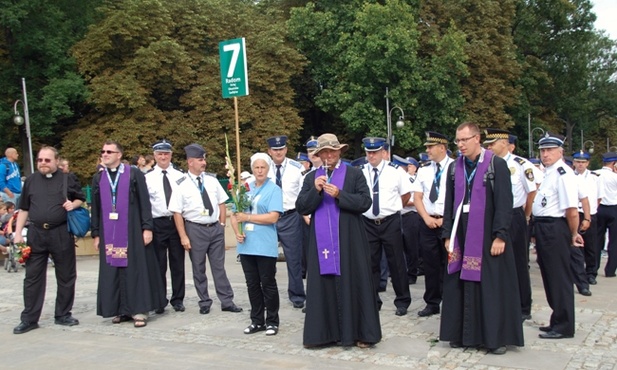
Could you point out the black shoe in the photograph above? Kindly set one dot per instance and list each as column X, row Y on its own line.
column 554, row 335
column 526, row 317
column 304, row 310
column 592, row 280
column 428, row 311
column 232, row 308
column 204, row 310
column 498, row 351
column 67, row 320
column 251, row 329
column 412, row 280
column 159, row 311
column 25, row 327
column 586, row 292
column 609, row 275
column 456, row 344
column 179, row 307
column 401, row 311
column 545, row 329
column 298, row 304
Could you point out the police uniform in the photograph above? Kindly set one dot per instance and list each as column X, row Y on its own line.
column 432, row 248
column 388, row 184
column 289, row 225
column 165, row 238
column 557, row 193
column 522, row 178
column 607, row 213
column 205, row 232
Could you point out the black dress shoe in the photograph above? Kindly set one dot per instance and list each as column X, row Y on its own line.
column 592, row 280
column 232, row 308
column 554, row 335
column 204, row 310
column 412, row 280
column 499, row 351
column 159, row 311
column 456, row 344
column 428, row 311
column 545, row 329
column 586, row 292
column 298, row 304
column 401, row 311
column 179, row 307
column 67, row 321
column 526, row 317
column 25, row 327
column 609, row 275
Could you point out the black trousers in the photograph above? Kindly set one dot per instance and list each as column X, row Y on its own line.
column 58, row 243
column 591, row 251
column 387, row 236
column 166, row 241
column 411, row 221
column 553, row 241
column 435, row 257
column 260, row 272
column 607, row 220
column 520, row 247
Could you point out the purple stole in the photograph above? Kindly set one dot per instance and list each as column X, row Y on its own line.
column 116, row 232
column 326, row 220
column 470, row 264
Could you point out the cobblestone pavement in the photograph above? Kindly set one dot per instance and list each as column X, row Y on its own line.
column 189, row 340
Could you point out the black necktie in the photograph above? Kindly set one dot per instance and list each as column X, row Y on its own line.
column 278, row 176
column 204, row 197
column 166, row 188
column 435, row 188
column 376, row 193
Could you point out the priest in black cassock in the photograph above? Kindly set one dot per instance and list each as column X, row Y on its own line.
column 341, row 303
column 130, row 284
column 481, row 305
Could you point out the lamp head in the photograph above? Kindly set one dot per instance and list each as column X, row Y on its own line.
column 591, row 150
column 400, row 123
column 18, row 120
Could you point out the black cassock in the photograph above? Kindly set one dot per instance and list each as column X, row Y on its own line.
column 486, row 313
column 341, row 309
column 136, row 288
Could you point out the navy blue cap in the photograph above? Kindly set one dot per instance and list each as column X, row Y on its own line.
column 413, row 161
column 195, row 151
column 609, row 157
column 311, row 143
column 277, row 142
column 534, row 161
column 372, row 144
column 493, row 134
column 386, row 146
column 551, row 140
column 423, row 157
column 512, row 139
column 359, row 162
column 400, row 160
column 434, row 138
column 162, row 146
column 581, row 156
column 568, row 160
column 302, row 157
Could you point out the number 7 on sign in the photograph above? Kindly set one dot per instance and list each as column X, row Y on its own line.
column 235, row 49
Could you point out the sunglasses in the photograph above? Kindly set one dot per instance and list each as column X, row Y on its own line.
column 46, row 160
column 108, row 152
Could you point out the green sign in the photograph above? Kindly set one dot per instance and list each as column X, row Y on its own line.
column 234, row 75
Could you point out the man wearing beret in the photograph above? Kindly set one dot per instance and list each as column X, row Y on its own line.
column 199, row 214
column 163, row 180
column 607, row 212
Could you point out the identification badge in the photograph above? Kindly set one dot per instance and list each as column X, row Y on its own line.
column 249, row 227
column 205, row 212
column 113, row 215
column 465, row 208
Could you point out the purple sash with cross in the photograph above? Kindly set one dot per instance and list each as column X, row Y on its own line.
column 326, row 220
column 470, row 263
column 116, row 232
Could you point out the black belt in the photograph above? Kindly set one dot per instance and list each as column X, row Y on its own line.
column 47, row 225
column 205, row 225
column 165, row 218
column 288, row 212
column 436, row 216
column 547, row 220
column 379, row 221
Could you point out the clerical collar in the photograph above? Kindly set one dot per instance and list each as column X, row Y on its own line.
column 49, row 175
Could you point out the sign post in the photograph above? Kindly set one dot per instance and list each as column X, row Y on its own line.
column 234, row 79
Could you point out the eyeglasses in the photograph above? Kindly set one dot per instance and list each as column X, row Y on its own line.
column 41, row 160
column 108, row 152
column 464, row 140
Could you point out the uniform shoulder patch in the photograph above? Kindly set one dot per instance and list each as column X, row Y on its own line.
column 561, row 170
column 295, row 164
column 393, row 164
column 412, row 179
column 519, row 160
column 179, row 181
column 529, row 174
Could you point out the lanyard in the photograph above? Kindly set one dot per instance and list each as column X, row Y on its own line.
column 114, row 185
column 200, row 188
column 369, row 170
column 437, row 178
column 469, row 179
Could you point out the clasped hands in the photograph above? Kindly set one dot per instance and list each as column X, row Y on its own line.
column 321, row 184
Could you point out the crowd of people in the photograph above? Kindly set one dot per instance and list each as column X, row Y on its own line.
column 465, row 222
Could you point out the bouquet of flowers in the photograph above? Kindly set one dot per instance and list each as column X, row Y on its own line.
column 23, row 252
column 239, row 196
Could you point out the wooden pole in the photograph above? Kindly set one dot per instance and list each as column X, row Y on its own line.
column 238, row 169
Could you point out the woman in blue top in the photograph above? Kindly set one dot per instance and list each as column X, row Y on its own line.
column 258, row 246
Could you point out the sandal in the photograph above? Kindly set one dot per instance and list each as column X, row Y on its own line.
column 120, row 318
column 253, row 328
column 140, row 323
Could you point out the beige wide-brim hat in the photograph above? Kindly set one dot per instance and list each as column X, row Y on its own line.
column 329, row 141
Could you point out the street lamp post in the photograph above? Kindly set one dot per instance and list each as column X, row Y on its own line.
column 399, row 123
column 591, row 147
column 531, row 139
column 19, row 120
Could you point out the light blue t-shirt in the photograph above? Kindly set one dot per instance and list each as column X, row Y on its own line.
column 261, row 240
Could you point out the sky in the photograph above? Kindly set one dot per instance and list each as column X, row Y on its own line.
column 606, row 11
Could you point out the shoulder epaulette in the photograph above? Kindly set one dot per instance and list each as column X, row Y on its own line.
column 179, row 181
column 561, row 170
column 362, row 166
column 150, row 170
column 519, row 160
column 177, row 168
column 295, row 164
column 412, row 179
column 210, row 174
column 424, row 164
column 594, row 173
column 393, row 164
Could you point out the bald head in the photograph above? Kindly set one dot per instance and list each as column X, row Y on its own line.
column 11, row 154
